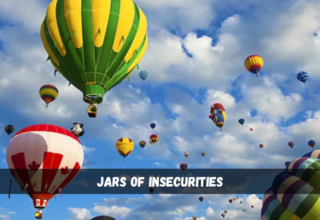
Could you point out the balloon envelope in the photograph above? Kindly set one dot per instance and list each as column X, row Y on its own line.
column 241, row 121
column 9, row 129
column 253, row 64
column 48, row 93
column 47, row 151
column 143, row 74
column 302, row 180
column 95, row 45
column 124, row 146
column 302, row 76
column 103, row 218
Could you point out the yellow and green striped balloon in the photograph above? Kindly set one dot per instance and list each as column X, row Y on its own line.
column 94, row 44
column 295, row 193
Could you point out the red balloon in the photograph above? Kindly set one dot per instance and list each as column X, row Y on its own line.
column 44, row 159
column 251, row 129
column 230, row 200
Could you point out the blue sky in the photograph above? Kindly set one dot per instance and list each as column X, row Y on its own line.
column 194, row 59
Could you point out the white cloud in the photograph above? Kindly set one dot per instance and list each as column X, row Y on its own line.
column 80, row 213
column 87, row 149
column 112, row 211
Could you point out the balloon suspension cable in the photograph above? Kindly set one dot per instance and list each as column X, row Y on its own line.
column 10, row 189
column 124, row 160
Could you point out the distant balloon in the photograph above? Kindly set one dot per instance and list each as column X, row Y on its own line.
column 225, row 211
column 143, row 74
column 302, row 76
column 254, row 64
column 48, row 93
column 252, row 206
column 9, row 129
column 241, row 121
column 230, row 200
column 194, row 217
column 237, row 198
column 151, row 189
column 218, row 115
column 234, row 199
column 201, row 198
column 261, row 146
column 152, row 125
column 103, row 218
column 183, row 166
column 203, row 154
column 186, row 154
column 142, row 144
column 312, row 143
column 124, row 147
column 223, row 215
column 153, row 139
column 240, row 202
column 291, row 144
column 251, row 129
column 244, row 210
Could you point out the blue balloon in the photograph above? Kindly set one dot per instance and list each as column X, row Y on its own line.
column 152, row 125
column 143, row 74
column 241, row 121
column 311, row 143
column 302, row 76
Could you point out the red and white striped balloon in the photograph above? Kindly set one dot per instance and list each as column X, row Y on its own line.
column 43, row 159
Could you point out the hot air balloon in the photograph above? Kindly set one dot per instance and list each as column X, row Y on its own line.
column 244, row 210
column 203, row 154
column 186, row 154
column 225, row 211
column 201, row 198
column 302, row 76
column 241, row 121
column 291, row 144
column 237, row 198
column 287, row 163
column 234, row 199
column 142, row 144
column 103, row 218
column 151, row 189
column 261, row 146
column 95, row 45
column 301, row 181
column 240, row 202
column 312, row 143
column 143, row 75
column 223, row 215
column 218, row 115
column 251, row 129
column 47, row 150
column 153, row 139
column 152, row 125
column 9, row 129
column 254, row 64
column 252, row 206
column 124, row 147
column 183, row 166
column 48, row 93
column 230, row 200
column 194, row 217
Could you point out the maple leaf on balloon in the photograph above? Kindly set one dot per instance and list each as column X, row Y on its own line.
column 34, row 165
column 65, row 170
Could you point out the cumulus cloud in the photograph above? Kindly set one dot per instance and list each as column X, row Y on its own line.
column 80, row 213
